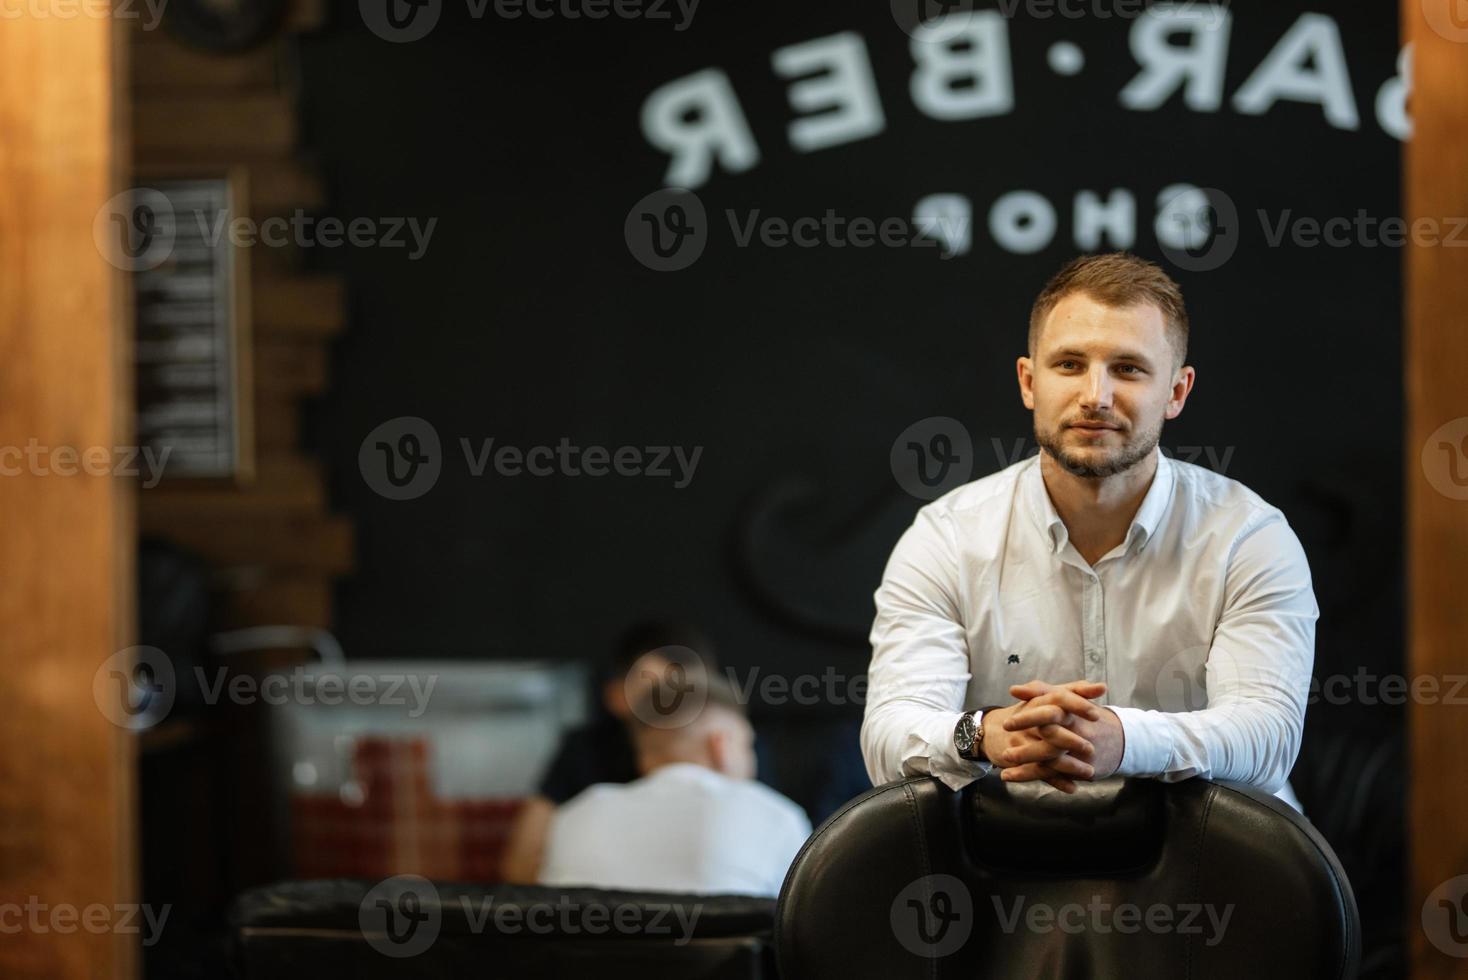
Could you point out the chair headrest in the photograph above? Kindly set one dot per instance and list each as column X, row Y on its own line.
column 1105, row 828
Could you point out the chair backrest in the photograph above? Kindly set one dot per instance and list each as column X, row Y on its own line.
column 410, row 927
column 1129, row 877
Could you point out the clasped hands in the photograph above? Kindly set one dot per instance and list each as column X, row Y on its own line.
column 1055, row 733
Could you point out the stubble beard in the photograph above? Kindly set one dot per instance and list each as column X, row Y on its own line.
column 1087, row 466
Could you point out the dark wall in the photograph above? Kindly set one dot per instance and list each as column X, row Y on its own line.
column 528, row 319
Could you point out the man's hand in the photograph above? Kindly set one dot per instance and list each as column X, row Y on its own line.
column 1060, row 716
column 1042, row 746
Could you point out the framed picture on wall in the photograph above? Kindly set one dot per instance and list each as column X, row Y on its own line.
column 192, row 329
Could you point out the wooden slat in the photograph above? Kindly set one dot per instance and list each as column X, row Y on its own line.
column 277, row 426
column 296, row 600
column 1436, row 363
column 299, row 307
column 324, row 544
column 66, row 772
column 305, row 15
column 249, row 125
column 282, row 187
column 289, row 368
column 163, row 65
column 278, row 185
column 283, row 487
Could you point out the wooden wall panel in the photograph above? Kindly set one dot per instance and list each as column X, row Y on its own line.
column 66, row 552
column 1436, row 466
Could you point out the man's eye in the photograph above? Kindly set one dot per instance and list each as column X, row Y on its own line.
column 1129, row 367
column 1065, row 365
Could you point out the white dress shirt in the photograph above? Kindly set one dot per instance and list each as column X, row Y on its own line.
column 681, row 828
column 1201, row 624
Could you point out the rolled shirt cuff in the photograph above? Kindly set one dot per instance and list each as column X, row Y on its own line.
column 1147, row 747
column 941, row 754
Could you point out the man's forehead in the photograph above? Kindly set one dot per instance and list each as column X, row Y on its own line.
column 1079, row 321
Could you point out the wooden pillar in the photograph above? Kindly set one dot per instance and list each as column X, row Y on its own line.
column 1436, row 466
column 66, row 536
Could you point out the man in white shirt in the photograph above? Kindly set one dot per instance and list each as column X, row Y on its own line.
column 1098, row 608
column 696, row 821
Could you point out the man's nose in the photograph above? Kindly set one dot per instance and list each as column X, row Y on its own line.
column 1096, row 396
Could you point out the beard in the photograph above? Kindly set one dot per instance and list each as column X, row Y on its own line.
column 1096, row 462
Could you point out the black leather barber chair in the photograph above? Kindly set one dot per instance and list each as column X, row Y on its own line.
column 1126, row 878
column 410, row 928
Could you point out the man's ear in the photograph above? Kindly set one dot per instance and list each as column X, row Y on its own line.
column 717, row 744
column 1182, row 384
column 1024, row 370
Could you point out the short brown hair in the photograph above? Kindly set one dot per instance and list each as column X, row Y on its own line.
column 1116, row 279
column 698, row 690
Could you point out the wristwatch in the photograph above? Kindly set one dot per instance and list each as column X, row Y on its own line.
column 968, row 736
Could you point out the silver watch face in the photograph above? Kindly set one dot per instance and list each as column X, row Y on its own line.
column 963, row 736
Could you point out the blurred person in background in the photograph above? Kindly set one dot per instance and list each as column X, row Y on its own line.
column 695, row 821
column 601, row 750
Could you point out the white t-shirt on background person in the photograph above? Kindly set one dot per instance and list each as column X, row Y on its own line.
column 681, row 828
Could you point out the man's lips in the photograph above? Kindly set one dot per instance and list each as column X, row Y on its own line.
column 1092, row 430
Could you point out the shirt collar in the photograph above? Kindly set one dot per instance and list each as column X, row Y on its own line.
column 1144, row 523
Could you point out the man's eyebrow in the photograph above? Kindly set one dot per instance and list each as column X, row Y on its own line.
column 1121, row 355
